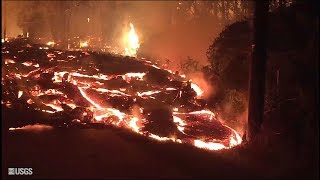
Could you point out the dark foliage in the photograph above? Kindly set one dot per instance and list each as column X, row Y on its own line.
column 291, row 83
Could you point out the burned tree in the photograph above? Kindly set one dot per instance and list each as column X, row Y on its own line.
column 257, row 70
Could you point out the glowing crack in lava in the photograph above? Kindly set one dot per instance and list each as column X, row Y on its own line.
column 73, row 94
column 131, row 42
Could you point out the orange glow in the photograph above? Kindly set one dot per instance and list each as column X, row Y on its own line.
column 180, row 123
column 9, row 61
column 20, row 94
column 84, row 44
column 36, row 127
column 164, row 138
column 131, row 42
column 50, row 43
column 197, row 89
column 209, row 145
column 93, row 88
column 91, row 101
column 133, row 124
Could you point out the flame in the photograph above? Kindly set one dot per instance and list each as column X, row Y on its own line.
column 132, row 42
column 50, row 43
column 84, row 44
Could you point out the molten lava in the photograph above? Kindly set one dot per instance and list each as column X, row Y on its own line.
column 88, row 93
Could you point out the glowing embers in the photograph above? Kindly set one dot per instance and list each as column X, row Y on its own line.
column 29, row 63
column 58, row 76
column 180, row 123
column 148, row 93
column 234, row 140
column 8, row 104
column 9, row 61
column 111, row 92
column 51, row 55
column 110, row 116
column 133, row 124
column 128, row 76
column 55, row 106
column 36, row 91
column 202, row 126
column 164, row 138
column 89, row 99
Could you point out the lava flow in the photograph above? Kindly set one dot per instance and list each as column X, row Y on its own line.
column 81, row 89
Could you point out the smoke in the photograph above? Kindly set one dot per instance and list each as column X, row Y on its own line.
column 163, row 32
column 234, row 113
column 166, row 36
column 10, row 12
column 200, row 80
column 242, row 120
column 178, row 42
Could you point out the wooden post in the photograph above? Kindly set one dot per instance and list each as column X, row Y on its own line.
column 257, row 69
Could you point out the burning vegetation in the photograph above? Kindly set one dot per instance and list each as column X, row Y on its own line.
column 82, row 89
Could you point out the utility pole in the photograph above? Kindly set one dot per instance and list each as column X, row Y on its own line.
column 258, row 69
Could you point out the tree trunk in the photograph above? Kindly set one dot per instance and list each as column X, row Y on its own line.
column 281, row 3
column 4, row 19
column 257, row 70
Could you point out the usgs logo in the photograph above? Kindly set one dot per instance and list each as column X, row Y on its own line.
column 19, row 171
